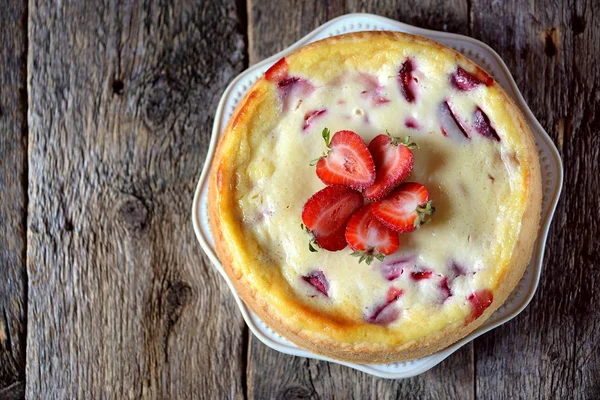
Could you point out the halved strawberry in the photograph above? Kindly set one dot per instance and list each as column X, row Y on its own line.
column 393, row 164
column 405, row 209
column 464, row 80
column 348, row 161
column 326, row 214
column 368, row 237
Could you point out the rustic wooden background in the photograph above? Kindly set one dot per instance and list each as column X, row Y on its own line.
column 105, row 115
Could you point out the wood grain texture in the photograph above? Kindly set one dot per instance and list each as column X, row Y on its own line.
column 550, row 48
column 273, row 375
column 13, row 190
column 115, row 101
column 551, row 350
column 16, row 391
column 122, row 303
column 451, row 16
column 274, row 26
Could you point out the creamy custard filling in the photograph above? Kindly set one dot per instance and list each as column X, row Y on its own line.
column 469, row 179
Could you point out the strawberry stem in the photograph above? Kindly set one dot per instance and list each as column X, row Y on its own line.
column 423, row 211
column 409, row 144
column 406, row 142
column 326, row 136
column 312, row 240
column 368, row 256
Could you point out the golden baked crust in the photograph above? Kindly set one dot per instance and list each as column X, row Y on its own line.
column 260, row 281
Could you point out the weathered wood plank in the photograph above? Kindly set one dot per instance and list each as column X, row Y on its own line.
column 13, row 191
column 272, row 27
column 551, row 350
column 272, row 375
column 122, row 303
column 451, row 16
column 16, row 391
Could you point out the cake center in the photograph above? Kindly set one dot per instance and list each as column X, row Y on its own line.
column 458, row 159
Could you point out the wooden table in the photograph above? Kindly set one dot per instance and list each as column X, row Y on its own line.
column 105, row 116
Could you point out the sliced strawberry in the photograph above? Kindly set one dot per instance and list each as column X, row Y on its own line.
column 284, row 83
column 408, row 81
column 278, row 71
column 445, row 289
column 387, row 312
column 393, row 164
column 411, row 123
column 348, row 161
column 292, row 91
column 317, row 280
column 480, row 301
column 464, row 80
column 393, row 294
column 483, row 125
column 312, row 115
column 451, row 124
column 394, row 268
column 334, row 241
column 456, row 269
column 373, row 90
column 405, row 209
column 368, row 237
column 420, row 275
column 326, row 214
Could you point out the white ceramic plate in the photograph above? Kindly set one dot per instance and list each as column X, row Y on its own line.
column 552, row 175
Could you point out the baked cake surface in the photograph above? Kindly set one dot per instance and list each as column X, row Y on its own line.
column 476, row 157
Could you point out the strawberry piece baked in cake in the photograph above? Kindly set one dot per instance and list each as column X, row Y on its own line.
column 375, row 197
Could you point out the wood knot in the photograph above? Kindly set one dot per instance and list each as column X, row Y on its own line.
column 118, row 87
column 296, row 392
column 551, row 42
column 578, row 25
column 68, row 226
column 159, row 103
column 133, row 213
column 178, row 295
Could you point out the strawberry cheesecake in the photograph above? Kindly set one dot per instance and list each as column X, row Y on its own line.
column 375, row 197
